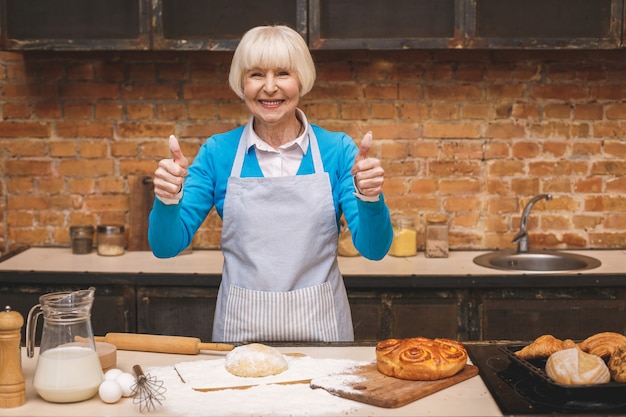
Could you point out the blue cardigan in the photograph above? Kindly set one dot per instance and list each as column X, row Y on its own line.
column 172, row 227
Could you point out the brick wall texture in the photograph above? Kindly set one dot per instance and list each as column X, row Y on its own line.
column 474, row 134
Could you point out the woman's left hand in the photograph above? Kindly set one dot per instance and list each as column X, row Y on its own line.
column 368, row 173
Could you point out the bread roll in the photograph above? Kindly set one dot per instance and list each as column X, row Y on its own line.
column 602, row 344
column 255, row 360
column 617, row 364
column 420, row 358
column 544, row 346
column 574, row 367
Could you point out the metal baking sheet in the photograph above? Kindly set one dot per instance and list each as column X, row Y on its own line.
column 611, row 392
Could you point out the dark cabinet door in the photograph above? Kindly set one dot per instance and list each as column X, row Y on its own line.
column 219, row 24
column 518, row 314
column 403, row 313
column 545, row 23
column 385, row 24
column 176, row 311
column 74, row 24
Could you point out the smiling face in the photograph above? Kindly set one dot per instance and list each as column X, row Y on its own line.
column 272, row 95
column 272, row 47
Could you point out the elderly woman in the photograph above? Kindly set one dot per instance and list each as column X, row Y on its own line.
column 280, row 185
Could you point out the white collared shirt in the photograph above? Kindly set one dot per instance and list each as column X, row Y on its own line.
column 284, row 161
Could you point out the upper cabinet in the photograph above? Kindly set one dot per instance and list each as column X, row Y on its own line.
column 219, row 24
column 74, row 24
column 325, row 24
column 386, row 24
column 590, row 24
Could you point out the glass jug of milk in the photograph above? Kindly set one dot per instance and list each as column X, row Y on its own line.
column 68, row 368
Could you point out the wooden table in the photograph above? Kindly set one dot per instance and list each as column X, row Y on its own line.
column 468, row 398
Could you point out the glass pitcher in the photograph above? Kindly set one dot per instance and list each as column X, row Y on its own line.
column 68, row 368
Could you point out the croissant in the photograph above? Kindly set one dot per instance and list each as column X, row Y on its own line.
column 420, row 358
column 602, row 344
column 617, row 364
column 544, row 346
column 574, row 367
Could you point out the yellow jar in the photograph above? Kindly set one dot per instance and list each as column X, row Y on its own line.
column 404, row 238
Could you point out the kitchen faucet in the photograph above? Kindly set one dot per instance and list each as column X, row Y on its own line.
column 522, row 237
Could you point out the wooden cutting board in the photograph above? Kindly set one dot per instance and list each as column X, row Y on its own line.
column 365, row 384
column 141, row 200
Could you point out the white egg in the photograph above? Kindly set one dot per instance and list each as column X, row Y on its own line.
column 127, row 382
column 111, row 374
column 110, row 391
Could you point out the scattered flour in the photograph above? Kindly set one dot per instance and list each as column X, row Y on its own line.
column 262, row 400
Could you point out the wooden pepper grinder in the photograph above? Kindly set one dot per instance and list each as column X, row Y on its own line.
column 12, row 386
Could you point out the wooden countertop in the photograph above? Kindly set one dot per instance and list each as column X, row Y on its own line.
column 210, row 262
column 468, row 398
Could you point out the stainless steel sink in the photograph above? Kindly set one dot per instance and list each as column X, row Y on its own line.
column 536, row 261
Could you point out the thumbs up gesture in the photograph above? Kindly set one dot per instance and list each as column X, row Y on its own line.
column 170, row 174
column 368, row 173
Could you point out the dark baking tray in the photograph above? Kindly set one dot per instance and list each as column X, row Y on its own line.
column 608, row 393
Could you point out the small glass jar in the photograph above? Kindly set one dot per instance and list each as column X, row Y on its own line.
column 111, row 240
column 436, row 236
column 404, row 237
column 82, row 239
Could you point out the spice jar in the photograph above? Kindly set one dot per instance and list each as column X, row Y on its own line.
column 111, row 240
column 436, row 236
column 82, row 239
column 404, row 241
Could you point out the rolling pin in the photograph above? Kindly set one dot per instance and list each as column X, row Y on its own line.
column 161, row 344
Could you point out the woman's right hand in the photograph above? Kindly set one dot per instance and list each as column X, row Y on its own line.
column 170, row 174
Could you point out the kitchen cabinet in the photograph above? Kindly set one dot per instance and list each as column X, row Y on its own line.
column 404, row 24
column 176, row 311
column 219, row 24
column 398, row 313
column 536, row 24
column 525, row 314
column 74, row 24
column 467, row 314
column 202, row 25
column 139, row 24
column 386, row 24
column 393, row 298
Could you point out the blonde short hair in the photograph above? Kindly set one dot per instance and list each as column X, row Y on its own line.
column 272, row 47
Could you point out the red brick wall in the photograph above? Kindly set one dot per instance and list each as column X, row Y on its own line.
column 474, row 134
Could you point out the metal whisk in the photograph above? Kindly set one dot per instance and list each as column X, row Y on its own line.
column 147, row 391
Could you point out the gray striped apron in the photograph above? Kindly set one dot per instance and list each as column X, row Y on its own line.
column 281, row 281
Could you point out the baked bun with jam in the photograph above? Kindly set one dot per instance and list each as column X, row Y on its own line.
column 420, row 358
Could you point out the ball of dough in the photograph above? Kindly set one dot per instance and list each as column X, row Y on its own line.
column 255, row 360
